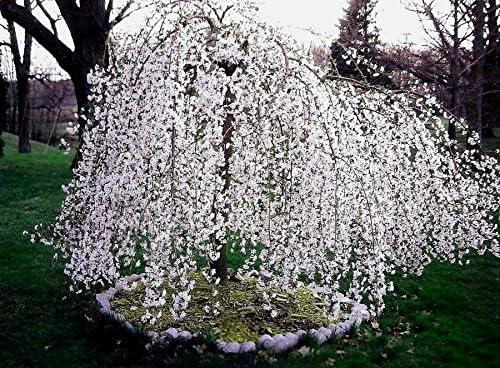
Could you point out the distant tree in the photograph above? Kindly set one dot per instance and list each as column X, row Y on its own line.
column 491, row 101
column 3, row 110
column 465, row 78
column 89, row 22
column 478, row 15
column 355, row 53
column 22, row 65
column 357, row 27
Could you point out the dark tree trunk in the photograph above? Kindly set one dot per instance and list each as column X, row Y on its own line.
column 220, row 265
column 89, row 53
column 24, row 145
column 22, row 66
column 478, row 54
column 3, row 110
column 491, row 101
column 455, row 71
column 90, row 35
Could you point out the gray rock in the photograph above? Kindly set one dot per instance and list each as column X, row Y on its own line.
column 279, row 338
column 269, row 344
column 264, row 338
column 110, row 293
column 103, row 301
column 231, row 348
column 119, row 286
column 292, row 339
column 332, row 327
column 247, row 347
column 339, row 331
column 281, row 346
column 221, row 344
column 320, row 337
column 348, row 325
column 152, row 335
column 171, row 334
column 301, row 334
column 105, row 311
column 325, row 331
column 323, row 335
column 280, row 343
column 312, row 332
column 134, row 277
column 185, row 336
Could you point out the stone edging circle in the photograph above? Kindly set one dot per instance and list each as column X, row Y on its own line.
column 278, row 343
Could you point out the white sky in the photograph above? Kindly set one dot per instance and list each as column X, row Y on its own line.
column 395, row 22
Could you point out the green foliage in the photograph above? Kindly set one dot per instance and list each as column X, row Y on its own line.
column 449, row 317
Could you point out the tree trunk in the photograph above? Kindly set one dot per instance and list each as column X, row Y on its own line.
column 22, row 67
column 82, row 90
column 491, row 101
column 90, row 50
column 24, row 145
column 3, row 110
column 478, row 54
column 220, row 265
column 455, row 71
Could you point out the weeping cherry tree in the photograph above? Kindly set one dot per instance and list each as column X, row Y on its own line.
column 216, row 135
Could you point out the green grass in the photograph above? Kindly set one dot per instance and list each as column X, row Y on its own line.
column 448, row 318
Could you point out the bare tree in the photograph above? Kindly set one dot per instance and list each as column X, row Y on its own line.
column 89, row 22
column 491, row 101
column 22, row 65
column 3, row 110
column 455, row 63
column 477, row 65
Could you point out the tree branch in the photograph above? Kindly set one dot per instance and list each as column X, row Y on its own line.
column 20, row 15
column 52, row 21
column 122, row 14
column 69, row 11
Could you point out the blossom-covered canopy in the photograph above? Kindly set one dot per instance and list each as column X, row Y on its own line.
column 215, row 133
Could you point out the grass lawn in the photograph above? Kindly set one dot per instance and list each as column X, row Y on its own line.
column 447, row 318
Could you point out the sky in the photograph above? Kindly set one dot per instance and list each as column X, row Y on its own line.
column 396, row 23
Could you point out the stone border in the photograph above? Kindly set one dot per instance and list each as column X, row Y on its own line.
column 278, row 343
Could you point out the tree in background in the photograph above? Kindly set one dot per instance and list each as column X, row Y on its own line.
column 89, row 22
column 462, row 63
column 3, row 110
column 491, row 95
column 22, row 65
column 355, row 52
column 357, row 27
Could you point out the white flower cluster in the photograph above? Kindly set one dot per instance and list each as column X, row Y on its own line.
column 217, row 128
